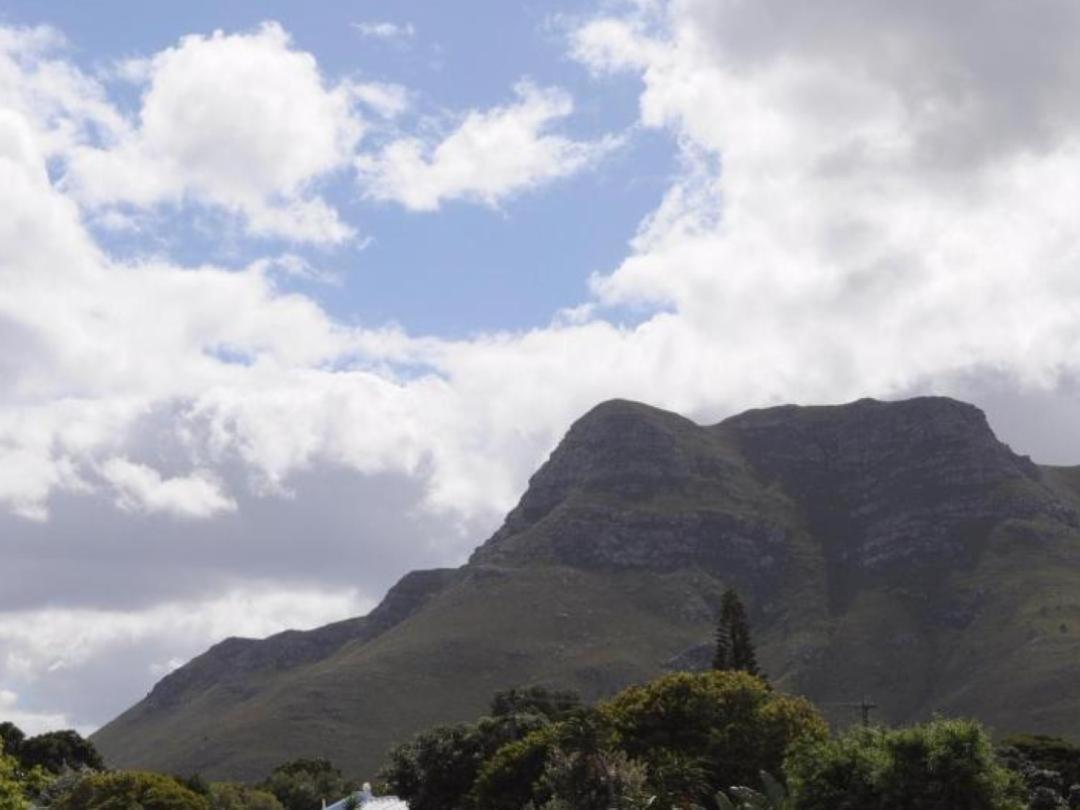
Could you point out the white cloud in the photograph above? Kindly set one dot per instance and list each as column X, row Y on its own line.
column 385, row 30
column 140, row 488
column 240, row 121
column 894, row 201
column 834, row 256
column 491, row 155
column 29, row 722
column 387, row 100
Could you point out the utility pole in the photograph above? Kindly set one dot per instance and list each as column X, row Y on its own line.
column 864, row 707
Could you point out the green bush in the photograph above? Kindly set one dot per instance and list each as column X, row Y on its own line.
column 56, row 750
column 941, row 764
column 507, row 781
column 594, row 780
column 728, row 724
column 437, row 769
column 229, row 796
column 128, row 791
column 11, row 738
column 302, row 784
column 11, row 788
column 1047, row 754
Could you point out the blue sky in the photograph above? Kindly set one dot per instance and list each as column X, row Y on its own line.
column 295, row 299
column 470, row 268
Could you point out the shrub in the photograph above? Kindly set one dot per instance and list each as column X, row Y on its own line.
column 508, row 780
column 594, row 780
column 941, row 764
column 11, row 789
column 228, row 796
column 56, row 750
column 1032, row 754
column 11, row 738
column 146, row 791
column 730, row 722
column 301, row 784
column 437, row 769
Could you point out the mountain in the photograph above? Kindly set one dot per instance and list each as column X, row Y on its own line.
column 896, row 550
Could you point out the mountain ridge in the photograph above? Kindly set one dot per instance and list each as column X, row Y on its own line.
column 896, row 547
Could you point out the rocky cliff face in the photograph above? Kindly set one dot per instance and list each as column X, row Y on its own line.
column 888, row 484
column 892, row 549
column 635, row 487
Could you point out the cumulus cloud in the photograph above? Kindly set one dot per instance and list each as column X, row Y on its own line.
column 241, row 121
column 873, row 195
column 31, row 722
column 490, row 156
column 141, row 488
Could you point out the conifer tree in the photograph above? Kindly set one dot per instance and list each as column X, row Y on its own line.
column 734, row 646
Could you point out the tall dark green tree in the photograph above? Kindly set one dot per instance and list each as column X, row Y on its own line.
column 11, row 737
column 734, row 645
column 56, row 750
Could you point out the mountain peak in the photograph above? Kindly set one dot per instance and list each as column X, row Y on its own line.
column 892, row 482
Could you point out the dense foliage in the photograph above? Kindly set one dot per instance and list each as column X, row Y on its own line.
column 11, row 788
column 1048, row 766
column 130, row 789
column 228, row 796
column 302, row 784
column 709, row 730
column 57, row 750
column 941, row 764
column 11, row 737
column 678, row 739
column 21, row 778
column 437, row 769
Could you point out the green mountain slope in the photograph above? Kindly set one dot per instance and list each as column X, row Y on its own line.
column 891, row 549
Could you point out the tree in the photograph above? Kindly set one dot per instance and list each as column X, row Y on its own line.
column 11, row 789
column 732, row 722
column 600, row 780
column 435, row 769
column 508, row 780
column 56, row 750
column 302, row 784
column 11, row 738
column 121, row 790
column 734, row 645
column 438, row 768
column 1043, row 762
column 229, row 796
column 943, row 763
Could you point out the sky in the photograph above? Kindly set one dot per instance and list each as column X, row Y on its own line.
column 294, row 299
